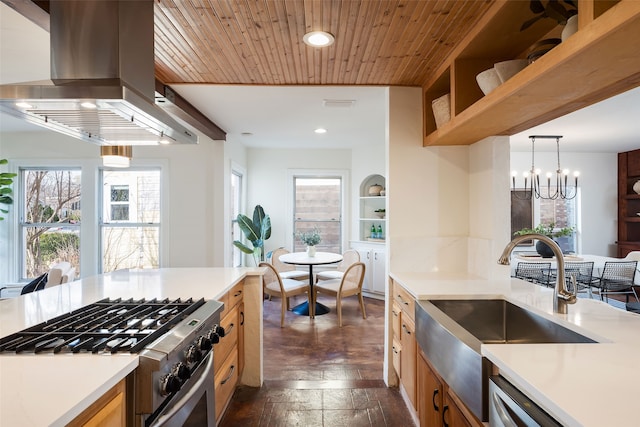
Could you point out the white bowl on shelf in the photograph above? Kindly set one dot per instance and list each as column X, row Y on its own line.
column 488, row 80
column 508, row 69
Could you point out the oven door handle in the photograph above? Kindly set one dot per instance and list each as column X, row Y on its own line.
column 194, row 388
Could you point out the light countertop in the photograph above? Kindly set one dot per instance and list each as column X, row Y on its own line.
column 51, row 390
column 578, row 384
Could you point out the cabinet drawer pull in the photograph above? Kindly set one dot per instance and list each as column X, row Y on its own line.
column 224, row 381
column 444, row 411
column 242, row 321
column 394, row 313
column 433, row 399
column 237, row 294
column 406, row 330
column 395, row 350
column 228, row 330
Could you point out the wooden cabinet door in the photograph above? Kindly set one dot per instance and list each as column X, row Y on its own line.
column 455, row 414
column 430, row 393
column 408, row 358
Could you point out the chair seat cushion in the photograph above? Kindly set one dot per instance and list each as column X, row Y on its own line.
column 289, row 285
column 331, row 274
column 332, row 285
column 293, row 274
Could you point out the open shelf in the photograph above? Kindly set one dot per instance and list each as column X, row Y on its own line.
column 597, row 62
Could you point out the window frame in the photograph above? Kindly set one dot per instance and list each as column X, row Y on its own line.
column 239, row 171
column 101, row 225
column 344, row 177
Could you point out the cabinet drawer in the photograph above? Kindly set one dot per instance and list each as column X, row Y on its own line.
column 231, row 298
column 395, row 320
column 404, row 300
column 395, row 350
column 225, row 382
column 230, row 340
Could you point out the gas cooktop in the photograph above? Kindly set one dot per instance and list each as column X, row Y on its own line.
column 106, row 326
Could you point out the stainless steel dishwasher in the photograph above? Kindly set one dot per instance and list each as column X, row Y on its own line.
column 509, row 407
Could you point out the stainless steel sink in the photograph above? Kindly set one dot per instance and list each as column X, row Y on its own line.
column 451, row 332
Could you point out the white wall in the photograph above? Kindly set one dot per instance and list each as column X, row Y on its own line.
column 598, row 196
column 195, row 177
column 267, row 183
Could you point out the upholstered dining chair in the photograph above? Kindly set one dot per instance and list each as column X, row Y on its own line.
column 349, row 257
column 274, row 285
column 617, row 278
column 350, row 284
column 287, row 271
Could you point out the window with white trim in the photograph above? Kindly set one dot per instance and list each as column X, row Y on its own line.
column 130, row 219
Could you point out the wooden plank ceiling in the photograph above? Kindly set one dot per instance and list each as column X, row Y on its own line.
column 378, row 42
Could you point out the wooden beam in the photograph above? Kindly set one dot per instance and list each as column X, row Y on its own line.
column 182, row 109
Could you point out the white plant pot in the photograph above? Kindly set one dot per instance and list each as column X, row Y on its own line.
column 311, row 251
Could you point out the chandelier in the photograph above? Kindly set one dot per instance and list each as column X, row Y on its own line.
column 532, row 186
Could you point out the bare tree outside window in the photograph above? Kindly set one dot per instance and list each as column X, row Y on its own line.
column 130, row 221
column 50, row 219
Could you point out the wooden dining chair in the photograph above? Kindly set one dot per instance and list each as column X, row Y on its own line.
column 274, row 285
column 350, row 284
column 350, row 256
column 287, row 271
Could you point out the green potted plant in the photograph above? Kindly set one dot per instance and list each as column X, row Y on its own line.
column 256, row 230
column 311, row 239
column 6, row 179
column 546, row 230
column 558, row 10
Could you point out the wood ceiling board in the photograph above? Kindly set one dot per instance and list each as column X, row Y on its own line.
column 385, row 42
column 541, row 92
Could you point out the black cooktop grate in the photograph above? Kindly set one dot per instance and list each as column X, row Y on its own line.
column 105, row 326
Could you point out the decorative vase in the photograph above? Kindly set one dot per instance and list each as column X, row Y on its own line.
column 571, row 28
column 375, row 190
column 636, row 187
column 544, row 250
column 311, row 251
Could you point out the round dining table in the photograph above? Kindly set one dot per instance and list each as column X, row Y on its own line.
column 301, row 258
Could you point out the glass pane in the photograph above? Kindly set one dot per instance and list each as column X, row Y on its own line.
column 46, row 246
column 138, row 190
column 317, row 199
column 51, row 196
column 130, row 247
column 562, row 213
column 329, row 232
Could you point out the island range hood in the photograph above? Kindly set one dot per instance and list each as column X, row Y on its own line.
column 102, row 87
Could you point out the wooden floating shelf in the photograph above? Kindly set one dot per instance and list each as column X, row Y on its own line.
column 599, row 61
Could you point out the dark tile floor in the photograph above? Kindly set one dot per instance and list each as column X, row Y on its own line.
column 317, row 374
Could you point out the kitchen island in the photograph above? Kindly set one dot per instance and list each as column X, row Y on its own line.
column 53, row 389
column 578, row 384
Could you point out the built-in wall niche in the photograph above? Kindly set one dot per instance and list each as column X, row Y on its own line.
column 373, row 202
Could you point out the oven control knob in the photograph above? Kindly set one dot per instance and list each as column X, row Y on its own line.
column 219, row 330
column 182, row 371
column 213, row 337
column 170, row 384
column 204, row 343
column 194, row 355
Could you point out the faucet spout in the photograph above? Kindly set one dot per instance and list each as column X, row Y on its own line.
column 561, row 295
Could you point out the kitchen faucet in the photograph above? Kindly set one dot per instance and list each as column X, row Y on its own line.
column 561, row 295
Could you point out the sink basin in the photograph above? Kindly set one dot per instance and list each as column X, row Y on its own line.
column 451, row 333
column 499, row 321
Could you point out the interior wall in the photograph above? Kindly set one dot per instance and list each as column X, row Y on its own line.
column 267, row 183
column 195, row 180
column 598, row 194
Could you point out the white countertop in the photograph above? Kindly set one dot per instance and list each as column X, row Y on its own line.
column 579, row 384
column 51, row 390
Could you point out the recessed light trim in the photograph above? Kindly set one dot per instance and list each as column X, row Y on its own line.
column 320, row 130
column 318, row 39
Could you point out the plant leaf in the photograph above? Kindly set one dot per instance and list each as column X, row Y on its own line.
column 258, row 217
column 247, row 227
column 266, row 228
column 238, row 244
column 536, row 6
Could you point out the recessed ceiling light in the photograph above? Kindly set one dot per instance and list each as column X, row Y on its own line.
column 320, row 130
column 318, row 39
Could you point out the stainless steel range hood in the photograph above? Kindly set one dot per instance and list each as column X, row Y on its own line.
column 102, row 87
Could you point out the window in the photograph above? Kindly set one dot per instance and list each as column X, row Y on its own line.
column 130, row 220
column 562, row 213
column 236, row 208
column 318, row 204
column 50, row 219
